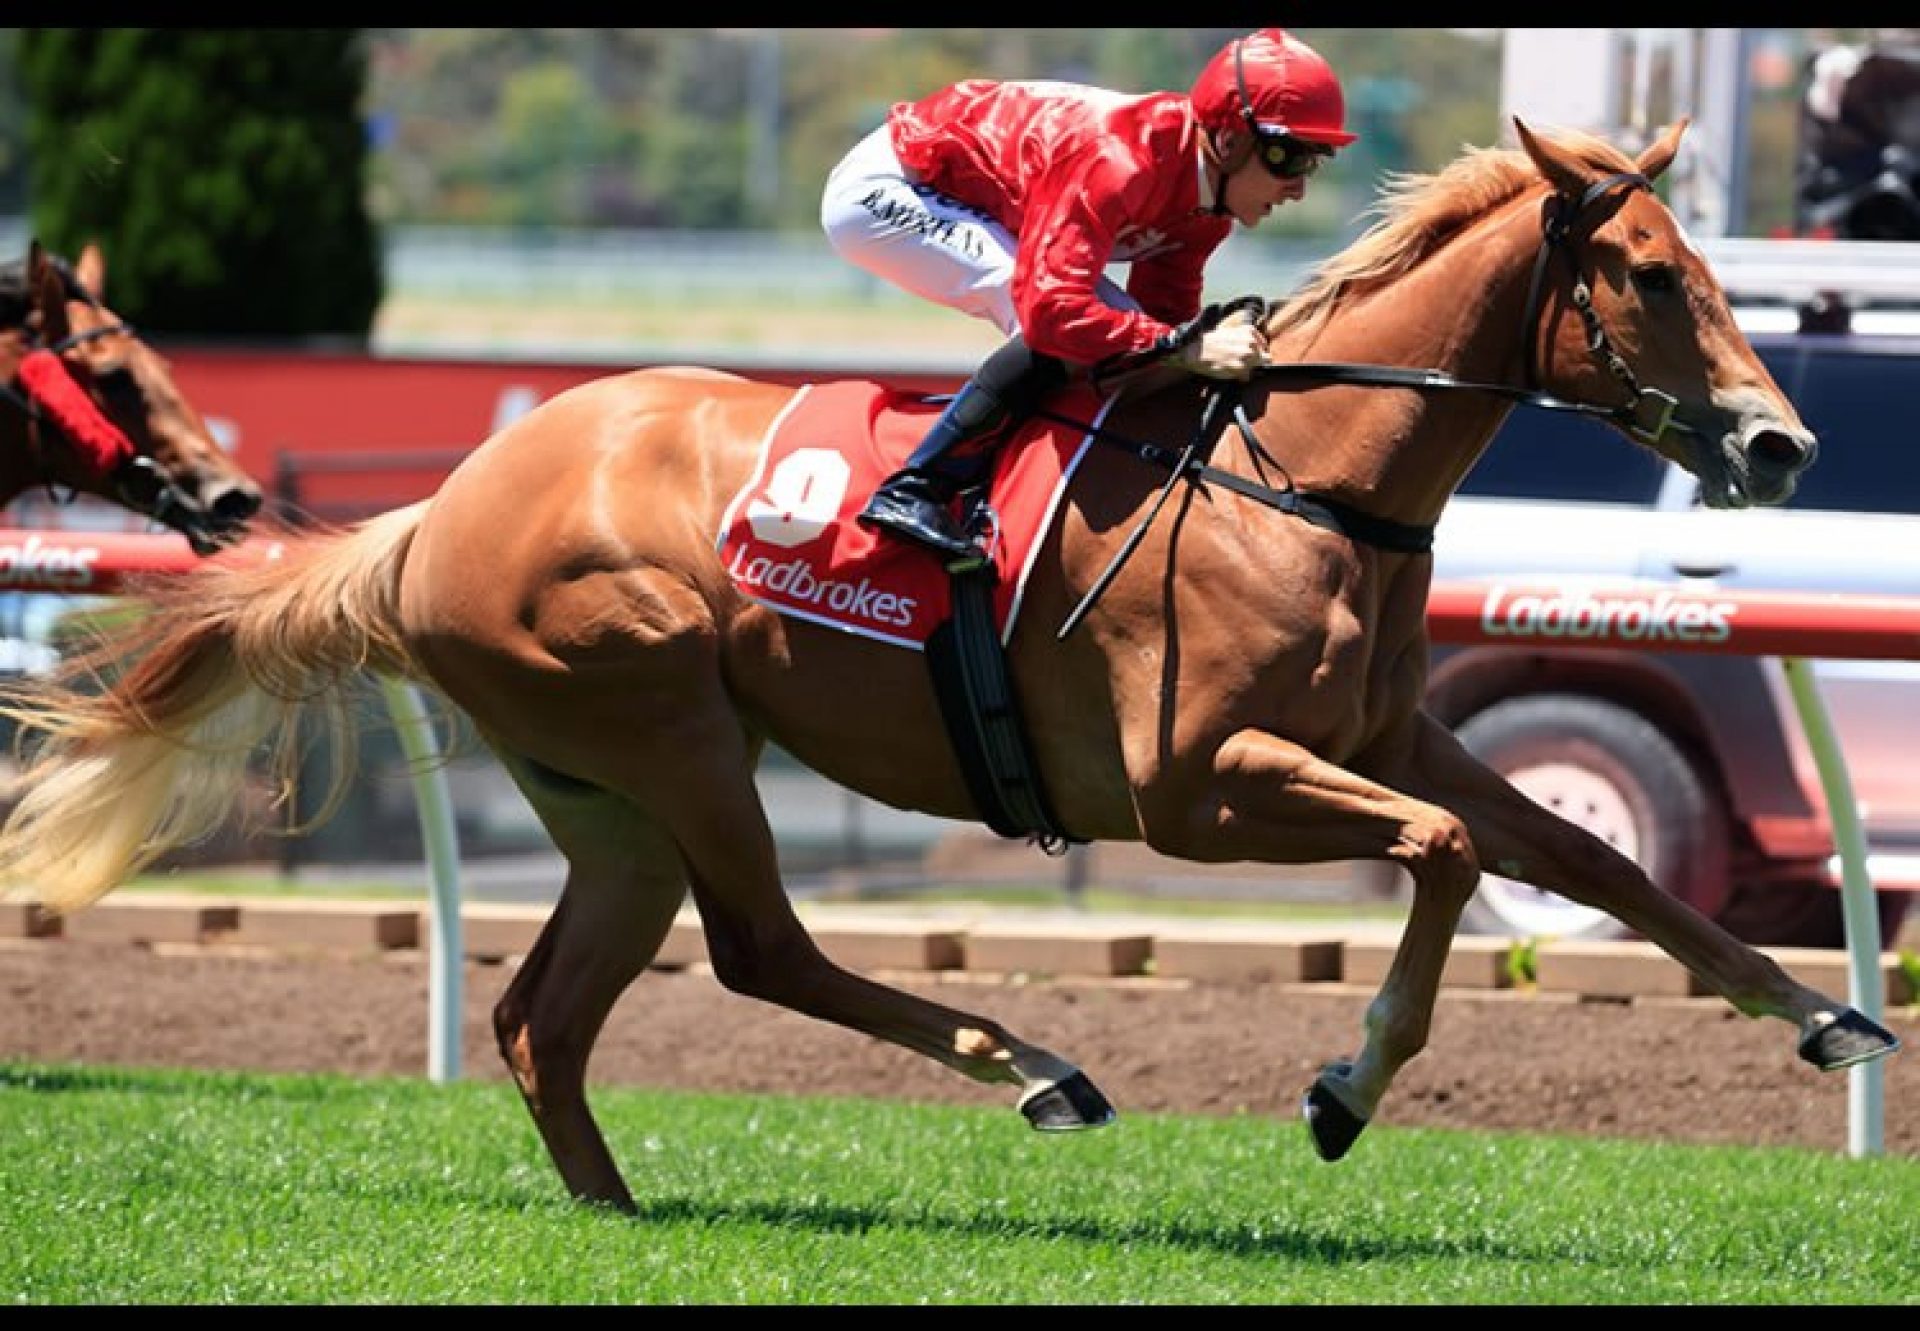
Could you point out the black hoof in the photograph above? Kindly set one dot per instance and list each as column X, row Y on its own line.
column 1850, row 1038
column 1067, row 1106
column 1333, row 1127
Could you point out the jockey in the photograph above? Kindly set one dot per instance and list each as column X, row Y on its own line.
column 1008, row 200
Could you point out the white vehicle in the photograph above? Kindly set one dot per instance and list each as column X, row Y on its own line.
column 1695, row 765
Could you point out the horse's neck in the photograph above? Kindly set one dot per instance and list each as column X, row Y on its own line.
column 1398, row 454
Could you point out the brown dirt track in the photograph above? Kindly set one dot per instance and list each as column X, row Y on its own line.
column 1673, row 1070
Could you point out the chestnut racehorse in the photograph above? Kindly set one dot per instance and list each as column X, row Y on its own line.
column 170, row 468
column 1248, row 687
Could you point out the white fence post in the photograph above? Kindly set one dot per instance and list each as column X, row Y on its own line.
column 446, row 954
column 1867, row 1085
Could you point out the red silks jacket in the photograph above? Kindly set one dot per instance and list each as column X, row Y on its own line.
column 1084, row 177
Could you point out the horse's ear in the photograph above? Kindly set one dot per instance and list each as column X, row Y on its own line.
column 47, row 294
column 1660, row 153
column 91, row 269
column 1565, row 172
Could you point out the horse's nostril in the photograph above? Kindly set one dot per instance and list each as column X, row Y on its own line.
column 1779, row 450
column 234, row 506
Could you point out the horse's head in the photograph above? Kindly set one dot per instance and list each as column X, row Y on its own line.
column 171, row 468
column 1643, row 322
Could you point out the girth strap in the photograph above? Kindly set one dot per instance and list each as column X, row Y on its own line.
column 983, row 716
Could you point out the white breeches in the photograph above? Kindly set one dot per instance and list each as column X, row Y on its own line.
column 879, row 215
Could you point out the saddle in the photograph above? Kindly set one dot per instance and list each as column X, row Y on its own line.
column 790, row 541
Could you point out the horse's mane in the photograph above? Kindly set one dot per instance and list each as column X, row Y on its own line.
column 1416, row 215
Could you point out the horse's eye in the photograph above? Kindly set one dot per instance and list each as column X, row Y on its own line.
column 1655, row 279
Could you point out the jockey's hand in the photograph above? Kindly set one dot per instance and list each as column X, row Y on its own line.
column 1234, row 350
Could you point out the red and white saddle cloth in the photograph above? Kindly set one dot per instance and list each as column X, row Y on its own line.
column 790, row 540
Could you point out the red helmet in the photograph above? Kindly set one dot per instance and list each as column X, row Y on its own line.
column 1278, row 84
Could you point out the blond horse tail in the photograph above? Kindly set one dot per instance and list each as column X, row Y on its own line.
column 141, row 743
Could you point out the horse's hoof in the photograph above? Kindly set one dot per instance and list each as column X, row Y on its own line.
column 1851, row 1037
column 1067, row 1106
column 1333, row 1127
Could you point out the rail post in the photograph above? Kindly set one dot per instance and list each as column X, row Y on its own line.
column 1866, row 1105
column 446, row 953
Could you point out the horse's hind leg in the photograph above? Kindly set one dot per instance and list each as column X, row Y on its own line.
column 696, row 776
column 624, row 885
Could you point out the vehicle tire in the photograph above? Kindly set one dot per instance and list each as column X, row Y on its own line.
column 1795, row 914
column 1608, row 769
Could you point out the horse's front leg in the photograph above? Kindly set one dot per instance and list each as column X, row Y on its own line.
column 1272, row 801
column 1518, row 838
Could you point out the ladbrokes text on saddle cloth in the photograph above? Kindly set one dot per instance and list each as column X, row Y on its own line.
column 789, row 539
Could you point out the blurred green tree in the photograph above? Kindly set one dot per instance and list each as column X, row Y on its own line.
column 13, row 164
column 222, row 170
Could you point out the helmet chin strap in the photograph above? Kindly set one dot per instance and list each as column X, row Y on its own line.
column 1219, row 208
column 1246, row 114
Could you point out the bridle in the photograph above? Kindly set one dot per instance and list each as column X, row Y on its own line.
column 1557, row 222
column 138, row 481
column 1649, row 415
column 39, row 421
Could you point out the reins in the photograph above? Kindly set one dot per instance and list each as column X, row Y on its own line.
column 1557, row 237
column 1558, row 219
column 1187, row 464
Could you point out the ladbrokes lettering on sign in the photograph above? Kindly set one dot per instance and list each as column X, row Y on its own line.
column 34, row 565
column 1608, row 616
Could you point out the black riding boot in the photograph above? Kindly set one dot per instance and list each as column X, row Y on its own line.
column 916, row 502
